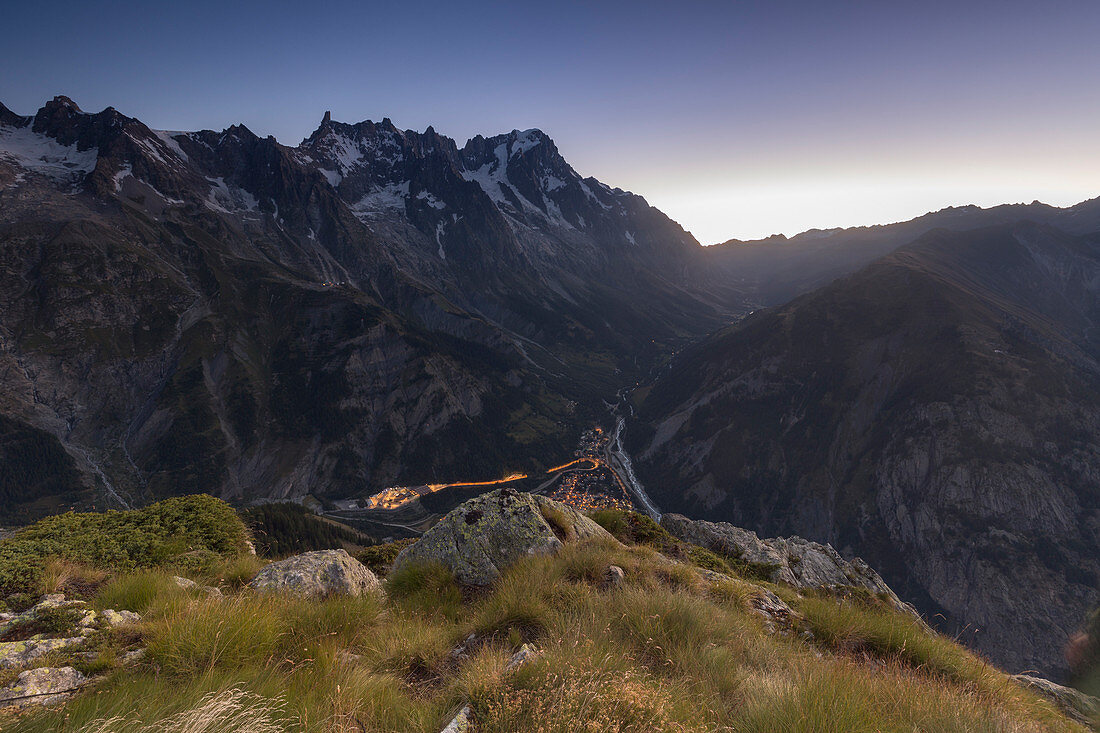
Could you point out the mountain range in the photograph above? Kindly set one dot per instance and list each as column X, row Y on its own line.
column 219, row 312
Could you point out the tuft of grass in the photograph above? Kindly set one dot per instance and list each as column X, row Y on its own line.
column 854, row 628
column 558, row 522
column 73, row 579
column 137, row 591
column 206, row 635
column 227, row 711
column 572, row 698
column 425, row 588
column 237, row 571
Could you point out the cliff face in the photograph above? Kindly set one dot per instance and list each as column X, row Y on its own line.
column 935, row 413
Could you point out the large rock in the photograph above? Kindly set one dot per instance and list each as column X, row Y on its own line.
column 42, row 686
column 1074, row 703
column 482, row 537
column 321, row 573
column 792, row 560
column 22, row 653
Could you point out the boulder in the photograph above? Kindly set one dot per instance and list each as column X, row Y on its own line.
column 612, row 577
column 1074, row 703
column 188, row 584
column 115, row 618
column 485, row 535
column 42, row 686
column 321, row 573
column 792, row 560
column 22, row 653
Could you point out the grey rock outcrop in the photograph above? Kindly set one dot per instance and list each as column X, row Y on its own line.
column 792, row 560
column 42, row 686
column 613, row 577
column 321, row 573
column 485, row 535
column 460, row 723
column 21, row 653
column 188, row 584
column 115, row 618
column 1074, row 703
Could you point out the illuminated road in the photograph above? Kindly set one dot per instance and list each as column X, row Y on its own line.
column 615, row 460
column 397, row 496
column 559, row 470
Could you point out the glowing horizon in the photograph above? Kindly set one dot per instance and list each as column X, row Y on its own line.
column 738, row 120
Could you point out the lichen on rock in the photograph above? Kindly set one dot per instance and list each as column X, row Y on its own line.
column 485, row 535
column 320, row 573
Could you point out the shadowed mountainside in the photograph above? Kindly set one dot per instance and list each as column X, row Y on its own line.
column 935, row 413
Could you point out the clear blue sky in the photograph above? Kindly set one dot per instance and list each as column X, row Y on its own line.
column 736, row 118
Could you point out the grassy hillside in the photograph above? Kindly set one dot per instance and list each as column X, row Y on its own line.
column 671, row 648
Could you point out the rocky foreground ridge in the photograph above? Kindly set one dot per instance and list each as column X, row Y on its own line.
column 513, row 612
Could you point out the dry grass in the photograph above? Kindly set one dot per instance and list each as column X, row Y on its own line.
column 228, row 711
column 74, row 579
column 666, row 650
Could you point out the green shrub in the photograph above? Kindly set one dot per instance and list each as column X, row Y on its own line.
column 633, row 528
column 181, row 530
column 379, row 558
column 706, row 559
column 49, row 621
column 19, row 602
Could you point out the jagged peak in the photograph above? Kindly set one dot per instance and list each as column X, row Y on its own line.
column 63, row 102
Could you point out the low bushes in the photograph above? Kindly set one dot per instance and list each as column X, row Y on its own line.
column 190, row 532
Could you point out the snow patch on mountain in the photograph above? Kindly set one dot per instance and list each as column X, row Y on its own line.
column 590, row 194
column 439, row 240
column 550, row 182
column 493, row 178
column 383, row 201
column 42, row 154
column 554, row 215
column 430, row 199
column 525, row 141
column 230, row 199
column 169, row 139
column 345, row 152
column 151, row 149
column 123, row 173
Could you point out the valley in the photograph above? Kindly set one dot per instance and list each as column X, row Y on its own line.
column 594, row 479
column 382, row 323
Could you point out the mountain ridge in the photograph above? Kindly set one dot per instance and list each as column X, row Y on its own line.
column 932, row 412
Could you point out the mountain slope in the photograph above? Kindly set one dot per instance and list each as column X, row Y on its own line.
column 214, row 311
column 771, row 271
column 935, row 413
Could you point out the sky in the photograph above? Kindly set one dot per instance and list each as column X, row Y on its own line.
column 736, row 118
